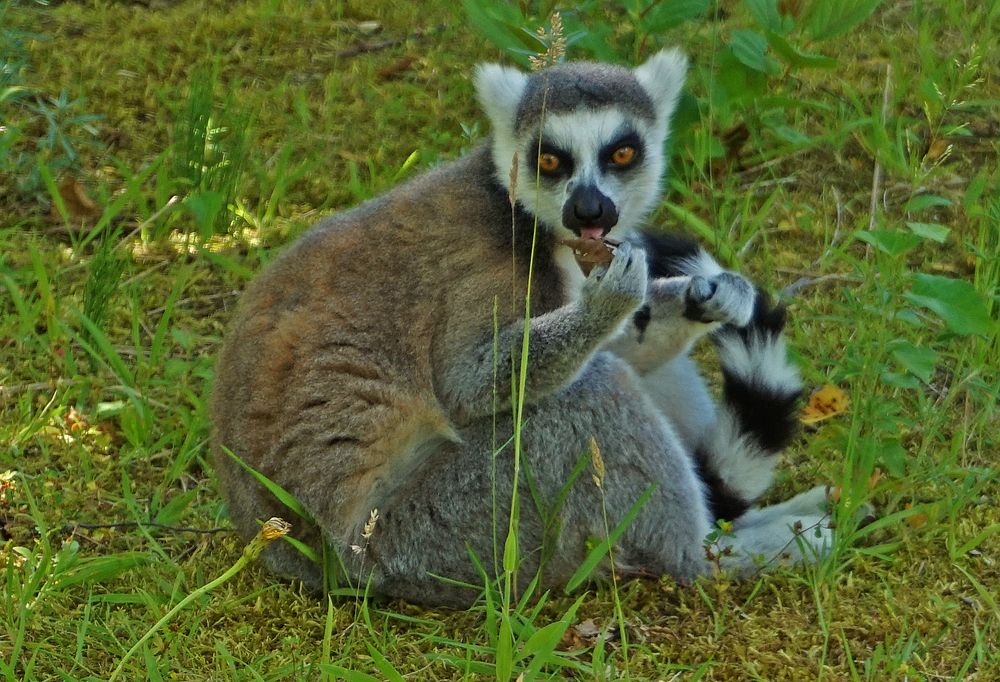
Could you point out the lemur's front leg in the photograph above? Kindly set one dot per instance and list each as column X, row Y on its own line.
column 690, row 295
column 561, row 342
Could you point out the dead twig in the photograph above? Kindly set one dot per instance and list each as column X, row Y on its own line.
column 8, row 392
column 365, row 48
column 73, row 527
column 805, row 282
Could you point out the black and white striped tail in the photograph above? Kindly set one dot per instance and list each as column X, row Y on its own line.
column 758, row 414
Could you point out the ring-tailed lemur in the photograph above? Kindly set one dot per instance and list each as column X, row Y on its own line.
column 369, row 365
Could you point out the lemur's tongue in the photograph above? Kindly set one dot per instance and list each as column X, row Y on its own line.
column 591, row 232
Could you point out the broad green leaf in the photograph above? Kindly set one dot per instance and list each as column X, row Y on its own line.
column 666, row 15
column 103, row 350
column 736, row 82
column 976, row 540
column 500, row 23
column 789, row 134
column 829, row 19
column 917, row 360
column 750, row 48
column 796, row 57
column 766, row 13
column 892, row 455
column 907, row 382
column 891, row 242
column 933, row 231
column 922, row 201
column 955, row 301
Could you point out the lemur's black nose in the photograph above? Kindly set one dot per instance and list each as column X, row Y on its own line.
column 587, row 206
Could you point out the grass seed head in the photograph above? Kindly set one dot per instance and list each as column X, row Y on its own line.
column 597, row 462
column 555, row 44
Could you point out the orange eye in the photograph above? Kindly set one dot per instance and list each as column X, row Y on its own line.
column 623, row 156
column 548, row 163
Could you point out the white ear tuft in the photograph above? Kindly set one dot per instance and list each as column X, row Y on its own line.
column 662, row 75
column 499, row 89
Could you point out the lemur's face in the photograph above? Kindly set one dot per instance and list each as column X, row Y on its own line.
column 588, row 140
column 596, row 171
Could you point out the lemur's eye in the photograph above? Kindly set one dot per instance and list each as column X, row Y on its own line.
column 548, row 163
column 623, row 156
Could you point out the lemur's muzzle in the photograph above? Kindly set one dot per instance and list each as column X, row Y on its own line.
column 589, row 213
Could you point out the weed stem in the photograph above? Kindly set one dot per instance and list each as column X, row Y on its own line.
column 272, row 529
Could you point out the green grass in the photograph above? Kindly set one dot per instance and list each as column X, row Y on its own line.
column 108, row 332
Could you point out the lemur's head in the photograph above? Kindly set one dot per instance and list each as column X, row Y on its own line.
column 593, row 133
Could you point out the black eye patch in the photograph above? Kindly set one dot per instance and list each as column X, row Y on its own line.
column 627, row 139
column 564, row 166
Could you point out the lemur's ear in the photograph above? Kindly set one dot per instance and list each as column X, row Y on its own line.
column 662, row 76
column 499, row 89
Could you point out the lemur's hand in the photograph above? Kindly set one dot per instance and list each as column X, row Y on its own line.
column 620, row 288
column 725, row 297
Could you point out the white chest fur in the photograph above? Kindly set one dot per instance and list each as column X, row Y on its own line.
column 569, row 272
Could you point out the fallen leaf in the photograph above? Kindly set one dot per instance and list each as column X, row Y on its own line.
column 584, row 635
column 938, row 149
column 74, row 421
column 397, row 68
column 587, row 629
column 734, row 139
column 79, row 206
column 825, row 403
column 915, row 521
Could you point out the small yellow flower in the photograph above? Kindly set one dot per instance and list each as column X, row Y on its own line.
column 274, row 528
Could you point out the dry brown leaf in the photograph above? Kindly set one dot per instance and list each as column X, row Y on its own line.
column 825, row 403
column 79, row 206
column 936, row 150
column 591, row 252
column 915, row 521
column 584, row 635
column 397, row 68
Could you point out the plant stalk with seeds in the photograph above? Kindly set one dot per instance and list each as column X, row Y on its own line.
column 273, row 529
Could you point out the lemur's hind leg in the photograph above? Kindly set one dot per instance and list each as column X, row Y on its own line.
column 445, row 511
column 795, row 531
